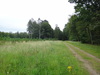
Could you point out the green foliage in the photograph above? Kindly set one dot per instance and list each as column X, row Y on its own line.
column 40, row 29
column 13, row 35
column 84, row 26
column 46, row 30
column 58, row 33
column 71, row 30
column 66, row 32
column 33, row 29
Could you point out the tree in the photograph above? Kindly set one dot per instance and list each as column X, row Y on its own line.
column 58, row 33
column 30, row 28
column 33, row 29
column 71, row 29
column 66, row 32
column 46, row 30
column 39, row 24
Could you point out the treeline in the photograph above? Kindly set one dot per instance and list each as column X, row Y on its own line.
column 84, row 25
column 40, row 29
column 14, row 35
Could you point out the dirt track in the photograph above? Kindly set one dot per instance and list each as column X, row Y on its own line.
column 85, row 63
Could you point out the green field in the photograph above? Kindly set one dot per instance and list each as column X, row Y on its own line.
column 38, row 58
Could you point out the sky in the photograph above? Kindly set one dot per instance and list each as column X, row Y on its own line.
column 15, row 14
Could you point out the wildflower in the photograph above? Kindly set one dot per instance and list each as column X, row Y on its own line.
column 69, row 68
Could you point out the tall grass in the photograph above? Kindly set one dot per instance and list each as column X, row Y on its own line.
column 38, row 58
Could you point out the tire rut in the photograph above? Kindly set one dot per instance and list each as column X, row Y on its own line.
column 85, row 63
column 88, row 54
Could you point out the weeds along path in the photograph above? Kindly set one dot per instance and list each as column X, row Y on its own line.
column 85, row 63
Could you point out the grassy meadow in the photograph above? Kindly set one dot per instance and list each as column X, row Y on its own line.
column 38, row 58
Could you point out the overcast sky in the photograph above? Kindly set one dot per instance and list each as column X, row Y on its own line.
column 15, row 14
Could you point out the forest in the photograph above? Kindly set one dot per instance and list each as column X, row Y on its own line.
column 83, row 25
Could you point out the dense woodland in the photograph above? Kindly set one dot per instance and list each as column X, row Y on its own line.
column 83, row 26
